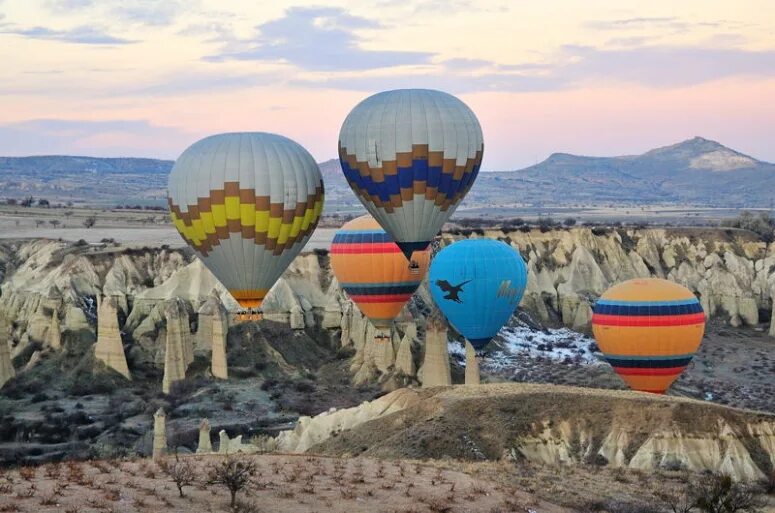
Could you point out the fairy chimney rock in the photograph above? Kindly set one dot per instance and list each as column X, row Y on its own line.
column 159, row 434
column 435, row 369
column 472, row 366
column 179, row 352
column 205, row 445
column 109, row 348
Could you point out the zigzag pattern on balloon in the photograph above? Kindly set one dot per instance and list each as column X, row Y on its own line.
column 415, row 174
column 235, row 210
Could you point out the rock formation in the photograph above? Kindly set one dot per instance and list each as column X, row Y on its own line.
column 404, row 360
column 109, row 348
column 607, row 427
column 223, row 442
column 205, row 446
column 296, row 319
column 159, row 434
column 472, row 366
column 179, row 351
column 312, row 430
column 7, row 371
column 54, row 335
column 219, row 365
column 435, row 368
column 209, row 310
column 234, row 445
column 733, row 274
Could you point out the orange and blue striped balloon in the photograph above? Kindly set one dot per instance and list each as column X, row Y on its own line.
column 373, row 271
column 648, row 330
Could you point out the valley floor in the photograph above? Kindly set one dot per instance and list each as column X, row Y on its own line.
column 280, row 484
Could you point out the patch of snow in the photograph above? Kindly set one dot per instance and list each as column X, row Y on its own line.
column 515, row 346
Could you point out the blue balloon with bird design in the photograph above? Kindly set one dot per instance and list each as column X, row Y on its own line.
column 477, row 284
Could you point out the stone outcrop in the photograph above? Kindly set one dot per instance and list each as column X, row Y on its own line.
column 404, row 360
column 583, row 426
column 7, row 371
column 159, row 434
column 435, row 368
column 204, row 446
column 313, row 430
column 109, row 348
column 54, row 335
column 234, row 445
column 212, row 334
column 472, row 366
column 219, row 366
column 209, row 310
column 179, row 351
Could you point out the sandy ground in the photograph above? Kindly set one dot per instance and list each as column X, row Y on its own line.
column 281, row 484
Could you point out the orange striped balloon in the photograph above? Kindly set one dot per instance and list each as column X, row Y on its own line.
column 373, row 271
column 648, row 330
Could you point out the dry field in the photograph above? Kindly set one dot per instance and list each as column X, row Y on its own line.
column 280, row 483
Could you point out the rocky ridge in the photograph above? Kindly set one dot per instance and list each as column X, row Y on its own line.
column 545, row 424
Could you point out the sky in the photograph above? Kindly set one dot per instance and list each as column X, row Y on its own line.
column 146, row 78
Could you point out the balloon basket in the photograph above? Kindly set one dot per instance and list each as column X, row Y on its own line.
column 414, row 267
column 250, row 315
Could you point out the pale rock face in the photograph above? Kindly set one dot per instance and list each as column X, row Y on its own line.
column 7, row 371
column 179, row 351
column 205, row 446
column 723, row 454
column 435, row 368
column 296, row 318
column 159, row 434
column 472, row 366
column 332, row 314
column 312, row 430
column 234, row 445
column 220, row 330
column 209, row 310
column 109, row 348
column 75, row 318
column 54, row 335
column 404, row 360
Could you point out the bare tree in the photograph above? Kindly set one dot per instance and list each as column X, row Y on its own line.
column 39, row 223
column 54, row 222
column 718, row 493
column 89, row 221
column 232, row 473
column 180, row 471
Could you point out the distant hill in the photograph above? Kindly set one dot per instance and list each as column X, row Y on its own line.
column 92, row 180
column 697, row 172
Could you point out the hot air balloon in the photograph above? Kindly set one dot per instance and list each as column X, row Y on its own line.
column 372, row 271
column 410, row 156
column 648, row 330
column 477, row 284
column 247, row 203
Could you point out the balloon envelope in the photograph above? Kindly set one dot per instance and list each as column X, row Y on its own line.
column 478, row 284
column 410, row 156
column 247, row 203
column 648, row 330
column 373, row 272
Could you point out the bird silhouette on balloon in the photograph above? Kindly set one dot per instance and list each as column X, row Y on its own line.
column 453, row 291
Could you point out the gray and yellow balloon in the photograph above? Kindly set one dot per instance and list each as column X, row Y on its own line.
column 246, row 203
